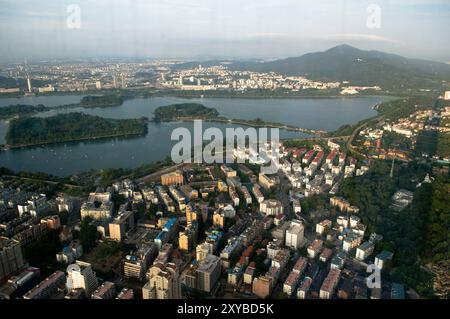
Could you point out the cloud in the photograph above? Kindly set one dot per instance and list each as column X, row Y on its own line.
column 359, row 37
column 42, row 14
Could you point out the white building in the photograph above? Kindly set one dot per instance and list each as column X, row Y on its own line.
column 271, row 207
column 297, row 207
column 81, row 276
column 447, row 95
column 365, row 250
column 164, row 282
column 323, row 226
column 295, row 235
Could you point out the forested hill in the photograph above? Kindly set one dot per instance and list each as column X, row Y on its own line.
column 359, row 67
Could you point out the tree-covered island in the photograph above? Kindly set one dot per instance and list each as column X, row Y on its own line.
column 69, row 127
column 181, row 111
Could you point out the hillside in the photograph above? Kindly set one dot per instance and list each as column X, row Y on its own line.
column 359, row 67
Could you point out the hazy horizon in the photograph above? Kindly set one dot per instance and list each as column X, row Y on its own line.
column 228, row 29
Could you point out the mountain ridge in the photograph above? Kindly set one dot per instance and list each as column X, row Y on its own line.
column 359, row 67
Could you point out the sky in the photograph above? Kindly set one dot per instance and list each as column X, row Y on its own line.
column 45, row 29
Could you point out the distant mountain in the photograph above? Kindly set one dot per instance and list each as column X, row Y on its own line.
column 347, row 63
column 359, row 67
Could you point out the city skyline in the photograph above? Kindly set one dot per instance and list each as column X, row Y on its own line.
column 200, row 29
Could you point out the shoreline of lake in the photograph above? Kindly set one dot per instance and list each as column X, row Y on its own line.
column 68, row 158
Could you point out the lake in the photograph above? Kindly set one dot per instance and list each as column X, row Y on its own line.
column 69, row 158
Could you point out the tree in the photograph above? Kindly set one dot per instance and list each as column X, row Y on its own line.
column 41, row 253
column 88, row 234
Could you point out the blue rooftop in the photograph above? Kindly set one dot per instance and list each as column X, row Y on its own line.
column 170, row 223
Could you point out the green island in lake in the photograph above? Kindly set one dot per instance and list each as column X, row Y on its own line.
column 100, row 101
column 69, row 127
column 196, row 111
column 181, row 111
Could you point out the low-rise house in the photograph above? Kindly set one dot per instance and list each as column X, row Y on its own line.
column 314, row 249
column 330, row 283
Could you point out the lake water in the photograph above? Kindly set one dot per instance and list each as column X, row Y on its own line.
column 68, row 158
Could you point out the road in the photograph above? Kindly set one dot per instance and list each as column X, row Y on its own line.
column 349, row 145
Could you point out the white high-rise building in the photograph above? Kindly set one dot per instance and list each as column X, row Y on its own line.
column 294, row 235
column 208, row 273
column 447, row 95
column 115, row 81
column 81, row 276
column 203, row 250
column 164, row 282
column 30, row 88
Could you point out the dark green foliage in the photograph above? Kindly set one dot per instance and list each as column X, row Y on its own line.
column 101, row 101
column 88, row 234
column 396, row 141
column 426, row 143
column 109, row 175
column 415, row 276
column 109, row 248
column 312, row 203
column 20, row 109
column 174, row 111
column 42, row 253
column 344, row 130
column 437, row 240
column 417, row 233
column 401, row 108
column 69, row 127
